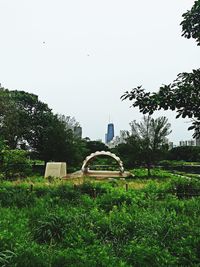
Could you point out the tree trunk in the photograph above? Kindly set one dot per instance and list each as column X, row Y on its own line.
column 149, row 169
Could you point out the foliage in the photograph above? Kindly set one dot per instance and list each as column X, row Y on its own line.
column 191, row 22
column 5, row 257
column 29, row 124
column 15, row 163
column 94, row 146
column 146, row 143
column 2, row 148
column 183, row 94
column 141, row 173
column 48, row 228
column 30, row 256
column 115, row 199
column 22, row 117
column 185, row 153
column 185, row 187
column 91, row 189
column 128, row 152
column 151, row 137
column 16, row 196
column 153, row 226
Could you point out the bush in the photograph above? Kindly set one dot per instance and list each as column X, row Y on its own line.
column 48, row 228
column 6, row 257
column 66, row 227
column 66, row 192
column 97, row 255
column 15, row 164
column 92, row 189
column 185, row 187
column 16, row 196
column 139, row 254
column 115, row 198
column 30, row 256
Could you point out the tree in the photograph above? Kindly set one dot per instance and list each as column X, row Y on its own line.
column 22, row 116
column 15, row 163
column 187, row 153
column 150, row 134
column 94, row 146
column 129, row 152
column 191, row 22
column 28, row 123
column 183, row 95
column 70, row 122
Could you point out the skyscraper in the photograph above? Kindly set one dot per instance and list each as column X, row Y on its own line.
column 110, row 133
column 78, row 131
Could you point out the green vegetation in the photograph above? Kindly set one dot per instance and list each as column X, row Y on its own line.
column 141, row 221
column 99, row 223
column 27, row 124
column 183, row 94
column 185, row 153
column 146, row 143
column 191, row 23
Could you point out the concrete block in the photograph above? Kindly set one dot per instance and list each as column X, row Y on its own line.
column 56, row 169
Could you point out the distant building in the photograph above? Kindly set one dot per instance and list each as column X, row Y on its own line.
column 78, row 131
column 110, row 133
column 197, row 141
column 171, row 145
column 187, row 143
column 118, row 139
column 106, row 138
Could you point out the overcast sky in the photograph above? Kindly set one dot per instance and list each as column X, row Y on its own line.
column 79, row 56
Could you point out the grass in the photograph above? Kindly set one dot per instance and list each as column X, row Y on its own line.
column 88, row 222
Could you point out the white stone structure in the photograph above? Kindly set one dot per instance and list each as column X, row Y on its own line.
column 56, row 169
column 101, row 153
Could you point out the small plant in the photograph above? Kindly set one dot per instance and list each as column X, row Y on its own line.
column 91, row 189
column 49, row 228
column 5, row 257
column 30, row 256
column 115, row 198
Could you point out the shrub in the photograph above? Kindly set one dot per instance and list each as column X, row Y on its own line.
column 140, row 254
column 66, row 192
column 97, row 255
column 16, row 196
column 92, row 188
column 30, row 257
column 6, row 257
column 15, row 164
column 115, row 198
column 185, row 187
column 49, row 228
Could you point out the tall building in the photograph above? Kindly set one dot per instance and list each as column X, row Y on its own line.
column 110, row 133
column 198, row 141
column 78, row 131
column 187, row 143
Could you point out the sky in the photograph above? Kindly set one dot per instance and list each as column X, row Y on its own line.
column 80, row 56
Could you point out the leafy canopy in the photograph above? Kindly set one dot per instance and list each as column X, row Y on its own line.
column 146, row 143
column 183, row 94
column 191, row 23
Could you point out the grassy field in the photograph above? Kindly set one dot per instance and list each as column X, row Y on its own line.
column 84, row 222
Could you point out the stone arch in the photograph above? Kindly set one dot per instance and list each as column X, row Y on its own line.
column 101, row 153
